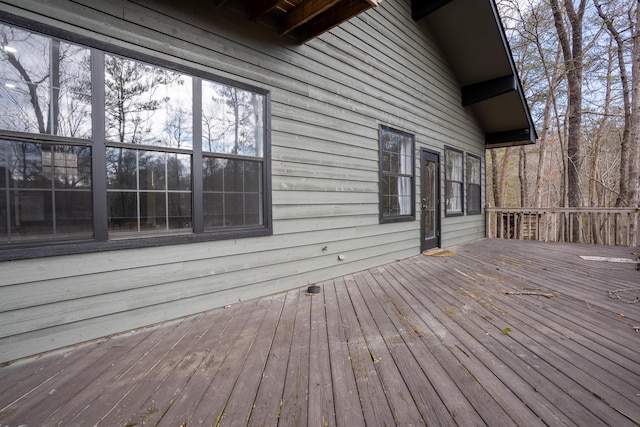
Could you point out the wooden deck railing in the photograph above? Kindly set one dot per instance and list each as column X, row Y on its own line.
column 601, row 226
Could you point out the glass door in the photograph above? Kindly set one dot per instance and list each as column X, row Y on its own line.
column 430, row 200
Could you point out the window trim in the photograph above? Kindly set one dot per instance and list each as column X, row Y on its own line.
column 98, row 144
column 479, row 185
column 447, row 151
column 396, row 218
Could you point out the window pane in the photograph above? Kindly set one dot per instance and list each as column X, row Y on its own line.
column 253, row 209
column 454, row 197
column 212, row 172
column 147, row 104
column 152, row 170
column 25, row 163
column 179, row 211
column 149, row 191
column 233, row 209
column 233, row 193
column 46, row 192
column 233, row 176
column 178, row 171
column 71, row 166
column 213, row 210
column 253, row 177
column 153, row 211
column 232, row 120
column 46, row 85
column 474, row 194
column 4, row 218
column 123, row 211
column 122, row 168
column 473, row 170
column 72, row 110
column 454, row 166
column 74, row 213
column 25, row 92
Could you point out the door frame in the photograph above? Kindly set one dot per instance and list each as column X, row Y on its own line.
column 434, row 157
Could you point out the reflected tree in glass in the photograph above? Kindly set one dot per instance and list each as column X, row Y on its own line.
column 146, row 104
column 232, row 121
column 45, row 85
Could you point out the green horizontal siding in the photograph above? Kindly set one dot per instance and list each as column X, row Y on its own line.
column 328, row 99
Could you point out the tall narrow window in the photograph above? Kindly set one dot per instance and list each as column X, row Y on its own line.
column 233, row 156
column 454, row 181
column 474, row 185
column 45, row 180
column 148, row 191
column 396, row 175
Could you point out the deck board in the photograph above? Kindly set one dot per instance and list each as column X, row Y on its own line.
column 416, row 342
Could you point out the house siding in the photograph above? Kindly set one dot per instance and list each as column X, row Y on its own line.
column 328, row 98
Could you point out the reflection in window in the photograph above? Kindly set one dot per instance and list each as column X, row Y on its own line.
column 453, row 182
column 474, row 184
column 396, row 151
column 45, row 85
column 148, row 191
column 45, row 192
column 147, row 105
column 149, row 142
column 232, row 120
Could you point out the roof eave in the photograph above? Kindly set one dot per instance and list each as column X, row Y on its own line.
column 481, row 59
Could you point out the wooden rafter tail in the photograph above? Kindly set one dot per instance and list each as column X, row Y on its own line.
column 306, row 11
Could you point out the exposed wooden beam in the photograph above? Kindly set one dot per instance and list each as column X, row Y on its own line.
column 489, row 89
column 307, row 10
column 510, row 138
column 343, row 11
column 422, row 8
column 262, row 7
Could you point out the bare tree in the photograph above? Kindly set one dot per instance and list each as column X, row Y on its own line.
column 626, row 160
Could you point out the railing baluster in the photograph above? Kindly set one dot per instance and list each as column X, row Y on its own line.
column 606, row 226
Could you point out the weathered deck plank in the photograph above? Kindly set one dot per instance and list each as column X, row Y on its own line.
column 418, row 341
column 267, row 403
column 347, row 402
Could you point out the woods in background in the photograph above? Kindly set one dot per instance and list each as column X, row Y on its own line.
column 579, row 61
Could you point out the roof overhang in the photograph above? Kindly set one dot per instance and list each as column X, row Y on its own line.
column 309, row 18
column 473, row 40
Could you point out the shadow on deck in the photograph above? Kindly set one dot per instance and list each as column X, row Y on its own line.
column 426, row 340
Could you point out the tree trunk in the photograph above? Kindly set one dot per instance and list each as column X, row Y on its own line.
column 599, row 134
column 494, row 178
column 503, row 175
column 572, row 52
column 634, row 154
column 524, row 183
column 553, row 77
column 626, row 160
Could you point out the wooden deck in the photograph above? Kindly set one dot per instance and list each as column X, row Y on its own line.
column 426, row 340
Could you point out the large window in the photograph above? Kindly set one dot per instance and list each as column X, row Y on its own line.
column 454, row 181
column 396, row 175
column 97, row 146
column 474, row 184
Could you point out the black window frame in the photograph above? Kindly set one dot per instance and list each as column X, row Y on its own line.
column 474, row 189
column 382, row 174
column 100, row 241
column 449, row 183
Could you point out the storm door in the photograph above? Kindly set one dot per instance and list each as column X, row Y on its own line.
column 430, row 199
